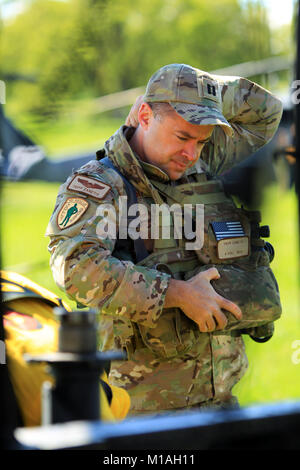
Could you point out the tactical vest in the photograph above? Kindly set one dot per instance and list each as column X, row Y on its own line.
column 240, row 255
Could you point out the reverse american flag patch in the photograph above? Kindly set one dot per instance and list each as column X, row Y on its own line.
column 227, row 229
column 231, row 240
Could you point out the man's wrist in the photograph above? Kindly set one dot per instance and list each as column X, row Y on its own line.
column 174, row 294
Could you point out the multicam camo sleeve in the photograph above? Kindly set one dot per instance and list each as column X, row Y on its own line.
column 81, row 256
column 254, row 114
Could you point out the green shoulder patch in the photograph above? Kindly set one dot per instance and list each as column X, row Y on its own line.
column 71, row 211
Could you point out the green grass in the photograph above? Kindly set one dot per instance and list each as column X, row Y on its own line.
column 272, row 376
column 25, row 212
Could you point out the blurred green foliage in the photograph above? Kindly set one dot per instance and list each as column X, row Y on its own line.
column 86, row 48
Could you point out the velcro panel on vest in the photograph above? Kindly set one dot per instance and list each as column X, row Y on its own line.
column 217, row 208
column 211, row 253
column 193, row 193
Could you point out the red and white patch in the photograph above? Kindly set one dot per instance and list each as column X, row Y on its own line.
column 90, row 186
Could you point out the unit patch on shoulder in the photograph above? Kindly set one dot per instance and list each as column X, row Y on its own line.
column 90, row 186
column 71, row 211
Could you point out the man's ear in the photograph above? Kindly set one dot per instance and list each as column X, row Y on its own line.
column 145, row 115
column 132, row 118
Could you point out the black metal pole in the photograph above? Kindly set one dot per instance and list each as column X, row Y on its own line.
column 75, row 395
column 297, row 113
column 76, row 367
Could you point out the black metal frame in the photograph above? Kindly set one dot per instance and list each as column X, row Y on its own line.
column 275, row 426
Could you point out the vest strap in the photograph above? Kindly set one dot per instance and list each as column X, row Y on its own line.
column 139, row 245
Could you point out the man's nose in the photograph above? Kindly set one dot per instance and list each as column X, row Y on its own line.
column 190, row 151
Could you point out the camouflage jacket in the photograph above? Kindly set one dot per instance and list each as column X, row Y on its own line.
column 88, row 266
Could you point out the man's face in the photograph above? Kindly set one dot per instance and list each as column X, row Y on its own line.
column 171, row 143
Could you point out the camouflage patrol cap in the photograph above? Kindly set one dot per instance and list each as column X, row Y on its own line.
column 195, row 95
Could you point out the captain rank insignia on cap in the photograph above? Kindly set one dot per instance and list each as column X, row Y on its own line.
column 71, row 211
column 209, row 89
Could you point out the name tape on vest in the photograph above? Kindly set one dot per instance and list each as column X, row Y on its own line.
column 236, row 247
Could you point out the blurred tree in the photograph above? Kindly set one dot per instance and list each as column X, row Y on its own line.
column 86, row 48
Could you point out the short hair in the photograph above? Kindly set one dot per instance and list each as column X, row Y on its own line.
column 160, row 109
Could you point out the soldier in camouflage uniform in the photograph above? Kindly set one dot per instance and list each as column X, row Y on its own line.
column 168, row 316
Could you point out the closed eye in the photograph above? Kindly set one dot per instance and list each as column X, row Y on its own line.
column 200, row 142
